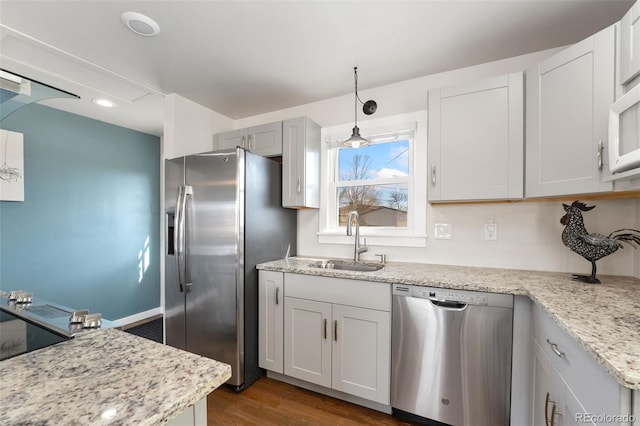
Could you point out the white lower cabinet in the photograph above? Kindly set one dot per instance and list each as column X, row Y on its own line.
column 333, row 336
column 270, row 321
column 341, row 347
column 569, row 387
column 360, row 356
column 553, row 400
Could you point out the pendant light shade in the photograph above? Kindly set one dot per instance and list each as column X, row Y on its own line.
column 356, row 141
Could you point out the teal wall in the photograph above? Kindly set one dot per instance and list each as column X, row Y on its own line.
column 90, row 216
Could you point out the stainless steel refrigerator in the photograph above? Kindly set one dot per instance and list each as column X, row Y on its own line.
column 223, row 216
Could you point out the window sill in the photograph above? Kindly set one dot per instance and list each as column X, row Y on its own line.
column 374, row 240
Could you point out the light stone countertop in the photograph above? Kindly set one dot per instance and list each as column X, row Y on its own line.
column 106, row 377
column 604, row 319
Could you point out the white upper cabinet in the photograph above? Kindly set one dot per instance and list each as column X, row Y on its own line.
column 630, row 44
column 567, row 107
column 475, row 142
column 265, row 139
column 300, row 163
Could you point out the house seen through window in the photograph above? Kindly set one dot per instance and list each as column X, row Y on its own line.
column 374, row 181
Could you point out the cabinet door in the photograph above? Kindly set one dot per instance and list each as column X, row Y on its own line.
column 361, row 352
column 307, row 340
column 271, row 321
column 546, row 394
column 300, row 163
column 475, row 146
column 568, row 99
column 265, row 140
column 232, row 139
column 630, row 44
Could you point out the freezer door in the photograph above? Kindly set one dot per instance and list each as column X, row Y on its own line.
column 213, row 315
column 174, row 299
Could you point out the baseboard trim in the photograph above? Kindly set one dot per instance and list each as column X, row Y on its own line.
column 139, row 318
column 330, row 392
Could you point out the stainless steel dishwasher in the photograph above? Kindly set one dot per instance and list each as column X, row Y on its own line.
column 451, row 355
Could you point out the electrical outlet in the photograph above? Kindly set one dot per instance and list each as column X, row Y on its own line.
column 491, row 231
column 444, row 231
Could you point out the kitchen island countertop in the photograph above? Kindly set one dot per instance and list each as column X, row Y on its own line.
column 604, row 319
column 107, row 377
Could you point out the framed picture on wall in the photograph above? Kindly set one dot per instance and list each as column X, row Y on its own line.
column 11, row 166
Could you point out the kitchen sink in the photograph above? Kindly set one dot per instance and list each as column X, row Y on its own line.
column 346, row 265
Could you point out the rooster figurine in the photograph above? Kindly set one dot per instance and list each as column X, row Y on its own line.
column 592, row 246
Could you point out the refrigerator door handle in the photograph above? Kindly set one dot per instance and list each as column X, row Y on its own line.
column 178, row 236
column 180, row 240
column 188, row 191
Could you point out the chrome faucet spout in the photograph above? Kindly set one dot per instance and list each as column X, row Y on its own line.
column 357, row 249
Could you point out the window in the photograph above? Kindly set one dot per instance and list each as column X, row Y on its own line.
column 374, row 181
column 383, row 182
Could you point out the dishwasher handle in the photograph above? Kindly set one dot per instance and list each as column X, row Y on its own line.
column 448, row 304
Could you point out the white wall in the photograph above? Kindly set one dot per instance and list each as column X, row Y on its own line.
column 529, row 237
column 189, row 127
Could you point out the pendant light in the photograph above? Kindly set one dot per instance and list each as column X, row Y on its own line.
column 356, row 141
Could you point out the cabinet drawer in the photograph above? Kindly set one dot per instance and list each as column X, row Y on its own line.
column 594, row 387
column 363, row 294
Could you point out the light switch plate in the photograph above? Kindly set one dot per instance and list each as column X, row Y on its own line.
column 444, row 231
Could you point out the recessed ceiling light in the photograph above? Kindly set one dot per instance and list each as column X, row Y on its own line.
column 140, row 24
column 104, row 102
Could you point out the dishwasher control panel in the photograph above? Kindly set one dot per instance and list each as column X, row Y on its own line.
column 450, row 295
column 445, row 295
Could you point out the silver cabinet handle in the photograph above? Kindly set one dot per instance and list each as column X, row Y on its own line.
column 299, row 185
column 243, row 142
column 433, row 175
column 325, row 329
column 277, row 295
column 600, row 159
column 250, row 142
column 546, row 409
column 554, row 348
column 335, row 330
column 553, row 415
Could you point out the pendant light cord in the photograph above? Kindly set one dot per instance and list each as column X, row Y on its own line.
column 355, row 101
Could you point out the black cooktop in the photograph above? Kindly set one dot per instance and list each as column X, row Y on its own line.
column 18, row 336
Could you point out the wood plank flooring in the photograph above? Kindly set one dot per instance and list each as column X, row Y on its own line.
column 270, row 402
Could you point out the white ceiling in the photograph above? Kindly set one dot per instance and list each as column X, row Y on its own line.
column 242, row 58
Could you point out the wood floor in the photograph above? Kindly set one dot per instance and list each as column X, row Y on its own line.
column 270, row 402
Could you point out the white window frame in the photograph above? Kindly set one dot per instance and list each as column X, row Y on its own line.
column 414, row 235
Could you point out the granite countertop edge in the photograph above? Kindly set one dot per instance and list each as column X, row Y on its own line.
column 114, row 378
column 549, row 290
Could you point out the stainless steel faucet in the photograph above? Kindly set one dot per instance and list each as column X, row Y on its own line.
column 353, row 216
